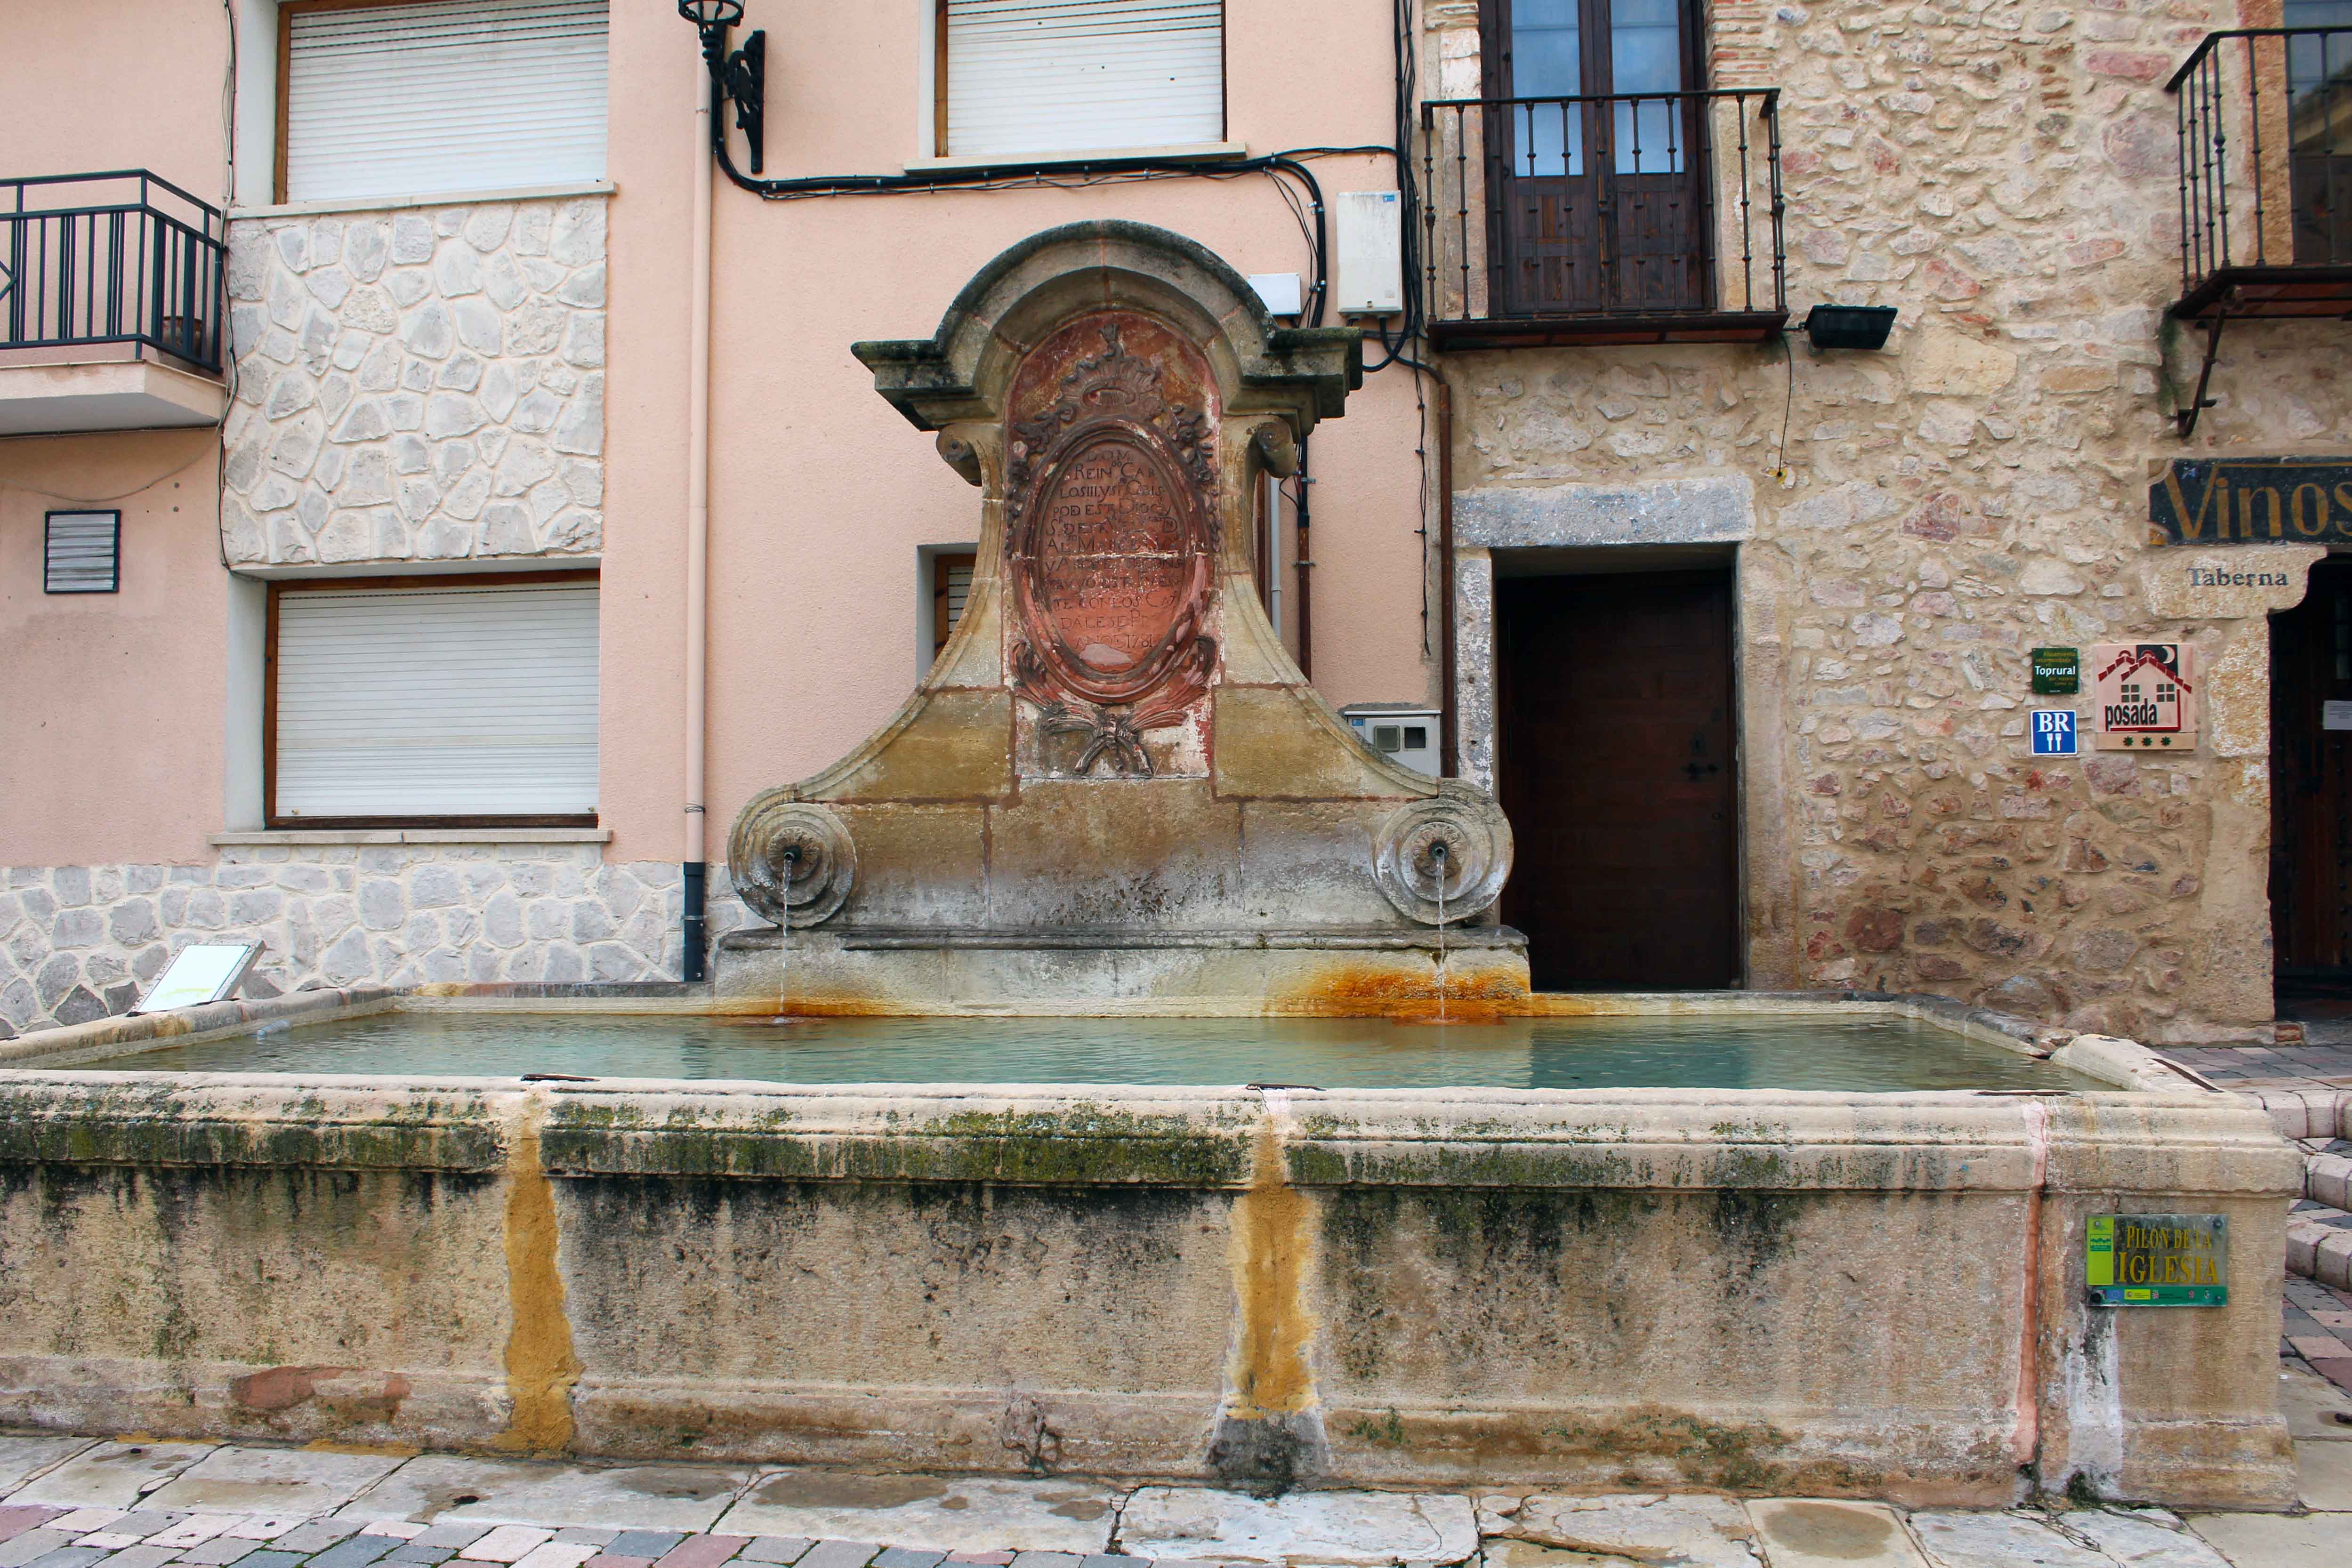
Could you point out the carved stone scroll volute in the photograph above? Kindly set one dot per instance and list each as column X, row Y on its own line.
column 1112, row 536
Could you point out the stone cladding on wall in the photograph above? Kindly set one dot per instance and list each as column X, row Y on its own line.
column 82, row 942
column 2005, row 174
column 424, row 384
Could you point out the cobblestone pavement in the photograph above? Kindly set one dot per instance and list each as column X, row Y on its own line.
column 81, row 1503
column 2318, row 1330
column 2310, row 1065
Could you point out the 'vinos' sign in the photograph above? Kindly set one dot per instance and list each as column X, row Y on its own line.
column 2252, row 500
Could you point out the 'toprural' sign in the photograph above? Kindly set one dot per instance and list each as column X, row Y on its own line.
column 2252, row 500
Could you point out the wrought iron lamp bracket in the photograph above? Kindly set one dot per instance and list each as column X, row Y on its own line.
column 739, row 75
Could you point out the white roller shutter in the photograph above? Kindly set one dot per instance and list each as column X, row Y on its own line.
column 390, row 100
column 436, row 702
column 1072, row 76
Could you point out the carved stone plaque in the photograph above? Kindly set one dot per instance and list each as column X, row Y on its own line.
column 1110, row 497
column 1113, row 563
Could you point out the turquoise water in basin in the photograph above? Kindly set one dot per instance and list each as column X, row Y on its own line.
column 1851, row 1052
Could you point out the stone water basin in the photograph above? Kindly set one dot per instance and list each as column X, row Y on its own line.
column 1861, row 1051
column 1787, row 1246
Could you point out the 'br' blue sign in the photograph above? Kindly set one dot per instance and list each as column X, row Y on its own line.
column 2053, row 732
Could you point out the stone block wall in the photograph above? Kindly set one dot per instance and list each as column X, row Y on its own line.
column 2005, row 175
column 82, row 942
column 421, row 385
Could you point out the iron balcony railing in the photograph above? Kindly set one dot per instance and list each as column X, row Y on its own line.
column 120, row 257
column 2264, row 121
column 1629, row 217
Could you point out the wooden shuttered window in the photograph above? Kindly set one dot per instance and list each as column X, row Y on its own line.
column 448, row 95
column 436, row 703
column 950, row 589
column 1022, row 77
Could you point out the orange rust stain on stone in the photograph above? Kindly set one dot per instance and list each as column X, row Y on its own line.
column 1406, row 990
column 541, row 1364
column 1270, row 1250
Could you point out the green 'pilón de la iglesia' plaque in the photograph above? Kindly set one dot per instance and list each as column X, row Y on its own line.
column 2157, row 1260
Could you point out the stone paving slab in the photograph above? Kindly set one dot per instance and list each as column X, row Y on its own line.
column 2323, row 1479
column 280, row 1481
column 1699, row 1532
column 906, row 1522
column 1194, row 1525
column 1957, row 1540
column 1803, row 1533
column 944, row 1515
column 447, row 1488
column 110, row 1475
column 2144, row 1538
column 22, row 1459
column 2277, row 1540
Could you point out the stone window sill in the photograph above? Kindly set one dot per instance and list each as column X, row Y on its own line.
column 1201, row 150
column 429, row 199
column 327, row 836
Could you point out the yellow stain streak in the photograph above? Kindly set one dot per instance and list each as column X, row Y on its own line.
column 1270, row 1248
column 540, row 1366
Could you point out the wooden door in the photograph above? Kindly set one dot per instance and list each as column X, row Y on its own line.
column 1597, row 203
column 2310, row 780
column 2319, row 129
column 1614, row 728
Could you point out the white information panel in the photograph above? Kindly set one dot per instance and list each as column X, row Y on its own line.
column 203, row 972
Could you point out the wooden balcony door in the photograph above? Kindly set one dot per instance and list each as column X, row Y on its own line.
column 2319, row 120
column 1595, row 207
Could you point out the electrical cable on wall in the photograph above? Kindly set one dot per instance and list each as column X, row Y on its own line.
column 1287, row 170
column 220, row 328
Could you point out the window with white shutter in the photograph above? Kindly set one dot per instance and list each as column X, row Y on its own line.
column 425, row 703
column 1024, row 77
column 446, row 95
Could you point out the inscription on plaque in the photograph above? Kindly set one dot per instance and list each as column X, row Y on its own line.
column 2252, row 500
column 2157, row 1260
column 1112, row 556
column 1109, row 492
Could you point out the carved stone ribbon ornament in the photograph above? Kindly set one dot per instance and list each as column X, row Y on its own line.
column 1112, row 536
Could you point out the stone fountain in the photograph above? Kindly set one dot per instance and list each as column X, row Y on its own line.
column 1115, row 791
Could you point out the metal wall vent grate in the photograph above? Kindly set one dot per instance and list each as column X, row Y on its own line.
column 83, row 553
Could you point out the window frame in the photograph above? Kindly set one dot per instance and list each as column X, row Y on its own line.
column 280, row 587
column 1594, row 63
column 939, row 141
column 944, row 559
column 286, row 14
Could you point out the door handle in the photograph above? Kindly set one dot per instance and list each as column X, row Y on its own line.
column 1695, row 771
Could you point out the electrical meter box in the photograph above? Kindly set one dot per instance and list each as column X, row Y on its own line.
column 1281, row 292
column 1397, row 731
column 1368, row 244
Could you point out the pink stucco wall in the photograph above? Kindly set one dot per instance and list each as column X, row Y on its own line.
column 111, row 730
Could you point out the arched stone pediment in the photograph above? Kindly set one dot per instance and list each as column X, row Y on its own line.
column 1114, row 786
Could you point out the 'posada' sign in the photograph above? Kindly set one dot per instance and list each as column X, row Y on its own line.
column 2252, row 500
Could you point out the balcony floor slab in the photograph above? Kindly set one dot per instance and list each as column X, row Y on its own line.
column 123, row 394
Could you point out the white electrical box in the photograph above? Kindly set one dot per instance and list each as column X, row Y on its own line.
column 1368, row 249
column 1401, row 734
column 1280, row 291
